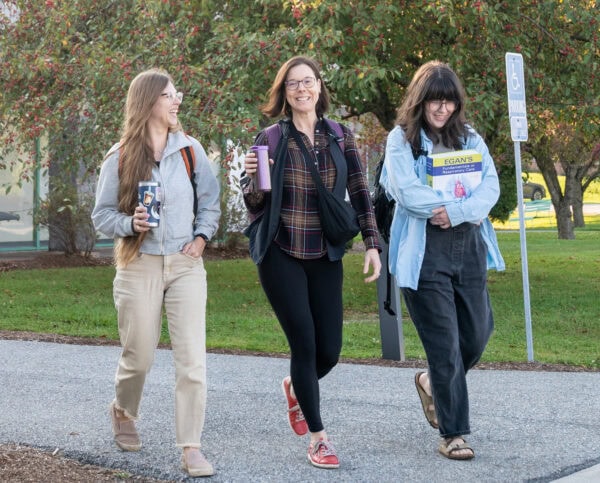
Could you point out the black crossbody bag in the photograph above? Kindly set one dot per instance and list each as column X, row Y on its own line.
column 339, row 221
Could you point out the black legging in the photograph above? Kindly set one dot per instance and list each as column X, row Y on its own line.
column 306, row 296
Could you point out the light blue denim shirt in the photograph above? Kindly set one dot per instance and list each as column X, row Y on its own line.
column 405, row 180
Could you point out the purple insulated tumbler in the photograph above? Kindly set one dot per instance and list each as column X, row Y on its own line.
column 263, row 173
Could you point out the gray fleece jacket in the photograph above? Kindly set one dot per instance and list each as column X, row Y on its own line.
column 177, row 224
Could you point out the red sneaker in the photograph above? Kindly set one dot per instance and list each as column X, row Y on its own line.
column 322, row 455
column 295, row 416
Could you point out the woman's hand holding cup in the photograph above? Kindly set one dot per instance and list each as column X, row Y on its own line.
column 257, row 164
column 139, row 223
column 250, row 163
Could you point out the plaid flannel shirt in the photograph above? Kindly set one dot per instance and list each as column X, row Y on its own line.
column 300, row 233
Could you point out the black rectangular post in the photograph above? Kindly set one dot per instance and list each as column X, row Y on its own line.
column 392, row 337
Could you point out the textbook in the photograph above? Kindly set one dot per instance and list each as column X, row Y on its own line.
column 455, row 172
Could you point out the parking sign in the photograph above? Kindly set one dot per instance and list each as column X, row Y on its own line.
column 515, row 86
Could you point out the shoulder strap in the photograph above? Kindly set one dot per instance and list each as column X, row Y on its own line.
column 309, row 162
column 189, row 158
column 378, row 169
column 336, row 128
column 338, row 158
column 275, row 134
column 338, row 150
column 417, row 152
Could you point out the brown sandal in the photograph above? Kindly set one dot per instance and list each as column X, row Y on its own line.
column 426, row 402
column 448, row 447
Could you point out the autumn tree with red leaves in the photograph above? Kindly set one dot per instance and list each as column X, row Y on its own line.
column 65, row 67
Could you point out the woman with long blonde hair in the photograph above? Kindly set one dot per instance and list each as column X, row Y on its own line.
column 159, row 265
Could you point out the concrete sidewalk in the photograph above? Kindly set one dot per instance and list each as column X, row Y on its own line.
column 527, row 426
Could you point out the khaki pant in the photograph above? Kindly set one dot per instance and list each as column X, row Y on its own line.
column 139, row 291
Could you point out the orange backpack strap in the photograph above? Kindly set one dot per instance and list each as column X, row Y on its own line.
column 189, row 158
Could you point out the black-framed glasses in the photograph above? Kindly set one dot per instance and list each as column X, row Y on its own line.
column 172, row 96
column 436, row 104
column 294, row 84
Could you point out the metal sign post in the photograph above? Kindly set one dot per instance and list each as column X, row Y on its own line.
column 517, row 113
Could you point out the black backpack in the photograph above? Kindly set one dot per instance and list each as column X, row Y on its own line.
column 384, row 213
column 382, row 206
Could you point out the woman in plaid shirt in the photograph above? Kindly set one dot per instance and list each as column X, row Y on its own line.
column 300, row 271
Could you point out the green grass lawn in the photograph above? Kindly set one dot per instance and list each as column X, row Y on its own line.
column 564, row 284
column 564, row 289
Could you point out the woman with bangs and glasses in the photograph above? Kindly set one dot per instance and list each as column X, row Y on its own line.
column 159, row 265
column 441, row 246
column 299, row 269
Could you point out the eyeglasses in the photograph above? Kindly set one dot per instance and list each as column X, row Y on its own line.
column 172, row 97
column 436, row 105
column 306, row 82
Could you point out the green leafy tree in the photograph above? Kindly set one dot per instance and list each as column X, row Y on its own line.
column 76, row 59
column 559, row 44
column 370, row 49
column 65, row 69
column 563, row 66
column 367, row 65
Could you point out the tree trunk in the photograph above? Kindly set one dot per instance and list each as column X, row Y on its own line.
column 574, row 193
column 577, row 206
column 563, row 221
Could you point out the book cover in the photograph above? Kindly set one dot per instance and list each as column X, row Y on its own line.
column 456, row 172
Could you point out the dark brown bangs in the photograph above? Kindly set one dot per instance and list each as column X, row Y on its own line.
column 442, row 87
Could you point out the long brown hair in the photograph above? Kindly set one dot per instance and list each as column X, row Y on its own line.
column 434, row 80
column 136, row 158
column 276, row 105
